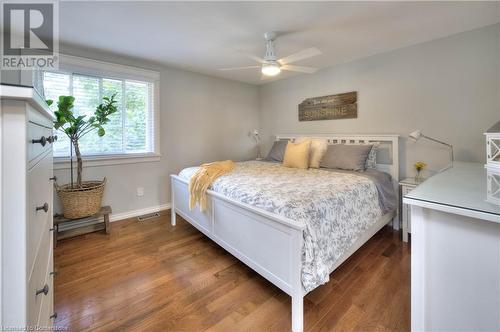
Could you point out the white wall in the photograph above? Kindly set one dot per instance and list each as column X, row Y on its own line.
column 201, row 119
column 448, row 88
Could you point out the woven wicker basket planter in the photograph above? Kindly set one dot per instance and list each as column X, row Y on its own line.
column 81, row 202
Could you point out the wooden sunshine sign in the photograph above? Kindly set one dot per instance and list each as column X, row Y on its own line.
column 340, row 106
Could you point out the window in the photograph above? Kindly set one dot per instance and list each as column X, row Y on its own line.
column 130, row 132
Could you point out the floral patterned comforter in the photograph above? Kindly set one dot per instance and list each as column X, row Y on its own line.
column 336, row 207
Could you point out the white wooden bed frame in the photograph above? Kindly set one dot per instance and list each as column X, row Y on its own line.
column 268, row 243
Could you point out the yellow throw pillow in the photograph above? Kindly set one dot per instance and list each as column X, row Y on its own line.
column 317, row 150
column 297, row 155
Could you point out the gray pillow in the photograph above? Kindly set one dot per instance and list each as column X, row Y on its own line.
column 346, row 156
column 277, row 151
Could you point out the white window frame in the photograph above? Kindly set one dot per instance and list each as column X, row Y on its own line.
column 90, row 67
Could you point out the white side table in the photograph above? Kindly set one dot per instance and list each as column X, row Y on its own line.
column 405, row 186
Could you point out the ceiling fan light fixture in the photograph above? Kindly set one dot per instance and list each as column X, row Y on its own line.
column 270, row 65
column 271, row 69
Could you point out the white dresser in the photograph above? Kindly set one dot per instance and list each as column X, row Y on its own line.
column 26, row 210
column 455, row 252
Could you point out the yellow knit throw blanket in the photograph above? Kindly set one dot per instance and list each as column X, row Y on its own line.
column 203, row 178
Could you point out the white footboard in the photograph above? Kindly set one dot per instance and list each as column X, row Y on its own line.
column 270, row 245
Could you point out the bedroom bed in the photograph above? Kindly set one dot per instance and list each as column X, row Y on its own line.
column 294, row 227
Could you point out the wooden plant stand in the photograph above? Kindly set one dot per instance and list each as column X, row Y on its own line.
column 59, row 219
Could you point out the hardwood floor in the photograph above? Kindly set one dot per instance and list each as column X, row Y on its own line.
column 155, row 277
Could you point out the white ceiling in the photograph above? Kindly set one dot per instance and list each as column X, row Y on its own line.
column 204, row 36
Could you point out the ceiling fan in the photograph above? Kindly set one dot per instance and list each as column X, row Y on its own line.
column 270, row 65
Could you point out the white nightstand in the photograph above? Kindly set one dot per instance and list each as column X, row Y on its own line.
column 405, row 186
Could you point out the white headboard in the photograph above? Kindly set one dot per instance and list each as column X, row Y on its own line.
column 389, row 147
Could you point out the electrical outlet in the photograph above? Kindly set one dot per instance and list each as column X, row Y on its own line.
column 140, row 191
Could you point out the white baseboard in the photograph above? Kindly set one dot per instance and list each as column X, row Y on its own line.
column 140, row 212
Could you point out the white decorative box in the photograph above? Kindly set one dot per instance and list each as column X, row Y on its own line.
column 493, row 147
column 493, row 187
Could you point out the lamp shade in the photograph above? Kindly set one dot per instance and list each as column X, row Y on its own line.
column 415, row 135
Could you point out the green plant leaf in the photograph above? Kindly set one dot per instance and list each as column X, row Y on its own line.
column 75, row 127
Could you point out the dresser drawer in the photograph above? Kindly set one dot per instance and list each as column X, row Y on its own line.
column 35, row 116
column 45, row 323
column 42, row 255
column 36, row 132
column 407, row 190
column 406, row 209
column 40, row 192
column 40, row 277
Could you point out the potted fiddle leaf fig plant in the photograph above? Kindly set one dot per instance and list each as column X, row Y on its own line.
column 81, row 198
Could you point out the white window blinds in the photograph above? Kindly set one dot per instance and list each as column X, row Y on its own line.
column 130, row 130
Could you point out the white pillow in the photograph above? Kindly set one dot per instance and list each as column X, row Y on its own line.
column 318, row 149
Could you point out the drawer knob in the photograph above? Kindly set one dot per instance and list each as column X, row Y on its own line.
column 53, row 316
column 54, row 178
column 44, row 207
column 52, row 139
column 53, row 273
column 52, row 229
column 42, row 141
column 44, row 290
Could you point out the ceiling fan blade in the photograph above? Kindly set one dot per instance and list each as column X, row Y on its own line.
column 300, row 69
column 254, row 57
column 304, row 54
column 250, row 56
column 238, row 68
